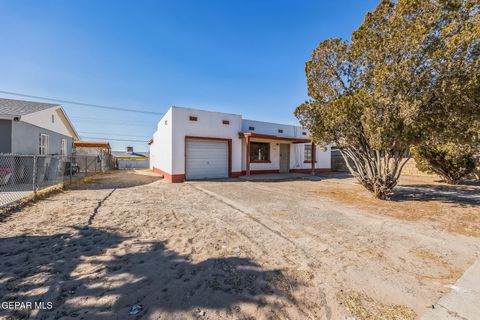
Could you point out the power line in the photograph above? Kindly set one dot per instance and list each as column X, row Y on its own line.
column 103, row 138
column 110, row 122
column 79, row 103
column 115, row 134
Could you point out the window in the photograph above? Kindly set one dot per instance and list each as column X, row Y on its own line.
column 307, row 153
column 192, row 118
column 63, row 148
column 251, row 128
column 280, row 131
column 259, row 152
column 43, row 144
column 225, row 122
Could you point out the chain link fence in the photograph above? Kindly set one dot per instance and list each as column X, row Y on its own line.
column 25, row 175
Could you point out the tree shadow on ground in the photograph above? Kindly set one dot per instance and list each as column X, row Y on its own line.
column 454, row 194
column 95, row 274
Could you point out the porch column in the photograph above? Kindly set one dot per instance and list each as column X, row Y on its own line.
column 313, row 157
column 247, row 166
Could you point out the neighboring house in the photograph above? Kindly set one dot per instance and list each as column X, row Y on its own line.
column 35, row 128
column 93, row 155
column 131, row 160
column 194, row 144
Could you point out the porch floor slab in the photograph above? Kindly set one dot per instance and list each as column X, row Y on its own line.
column 281, row 177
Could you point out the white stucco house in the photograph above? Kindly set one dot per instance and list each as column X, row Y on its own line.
column 192, row 144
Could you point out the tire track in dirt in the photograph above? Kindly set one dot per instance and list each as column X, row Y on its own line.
column 100, row 203
column 289, row 256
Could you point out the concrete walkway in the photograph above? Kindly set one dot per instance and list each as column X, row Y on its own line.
column 280, row 177
column 463, row 301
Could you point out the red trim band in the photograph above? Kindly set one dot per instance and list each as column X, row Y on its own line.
column 174, row 178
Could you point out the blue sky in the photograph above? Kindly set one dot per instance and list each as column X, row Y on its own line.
column 244, row 57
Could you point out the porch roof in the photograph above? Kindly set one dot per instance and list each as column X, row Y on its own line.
column 272, row 137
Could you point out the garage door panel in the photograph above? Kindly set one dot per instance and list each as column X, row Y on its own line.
column 206, row 159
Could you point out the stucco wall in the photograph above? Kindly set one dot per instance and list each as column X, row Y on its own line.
column 296, row 157
column 5, row 136
column 167, row 152
column 26, row 139
column 161, row 148
column 208, row 124
column 273, row 129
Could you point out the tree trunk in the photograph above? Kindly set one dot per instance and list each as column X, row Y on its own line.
column 378, row 171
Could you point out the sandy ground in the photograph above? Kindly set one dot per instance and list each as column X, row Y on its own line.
column 130, row 246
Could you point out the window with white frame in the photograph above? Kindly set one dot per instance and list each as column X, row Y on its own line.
column 307, row 153
column 43, row 144
column 63, row 149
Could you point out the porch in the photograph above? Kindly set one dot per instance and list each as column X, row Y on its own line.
column 270, row 154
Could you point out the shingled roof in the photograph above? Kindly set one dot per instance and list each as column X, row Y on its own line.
column 17, row 108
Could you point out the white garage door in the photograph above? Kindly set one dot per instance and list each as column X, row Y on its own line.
column 206, row 159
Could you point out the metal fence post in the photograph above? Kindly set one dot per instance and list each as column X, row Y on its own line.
column 95, row 166
column 86, row 166
column 71, row 169
column 34, row 177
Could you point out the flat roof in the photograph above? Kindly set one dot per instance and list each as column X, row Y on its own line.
column 272, row 137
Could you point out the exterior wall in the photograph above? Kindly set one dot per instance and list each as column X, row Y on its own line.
column 43, row 119
column 272, row 129
column 410, row 169
column 25, row 139
column 208, row 124
column 5, row 136
column 161, row 149
column 132, row 164
column 167, row 152
column 88, row 151
column 297, row 158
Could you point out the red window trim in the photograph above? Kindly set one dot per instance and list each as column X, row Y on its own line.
column 269, row 150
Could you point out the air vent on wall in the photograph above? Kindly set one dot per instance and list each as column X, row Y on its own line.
column 280, row 131
column 225, row 122
column 192, row 118
column 251, row 128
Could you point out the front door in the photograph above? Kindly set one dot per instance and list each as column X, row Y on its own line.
column 284, row 158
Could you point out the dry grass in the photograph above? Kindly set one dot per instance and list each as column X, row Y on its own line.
column 363, row 307
column 433, row 258
column 450, row 216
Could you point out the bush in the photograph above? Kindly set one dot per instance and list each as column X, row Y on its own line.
column 450, row 161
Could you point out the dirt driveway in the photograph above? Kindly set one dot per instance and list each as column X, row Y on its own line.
column 130, row 246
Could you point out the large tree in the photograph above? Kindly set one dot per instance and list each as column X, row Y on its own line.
column 370, row 96
column 450, row 124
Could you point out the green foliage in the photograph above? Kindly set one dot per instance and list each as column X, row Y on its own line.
column 409, row 76
column 450, row 161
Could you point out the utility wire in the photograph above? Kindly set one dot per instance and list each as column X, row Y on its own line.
column 103, row 138
column 79, row 103
column 115, row 134
column 110, row 122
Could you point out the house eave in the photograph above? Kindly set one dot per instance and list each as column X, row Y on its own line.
column 251, row 135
